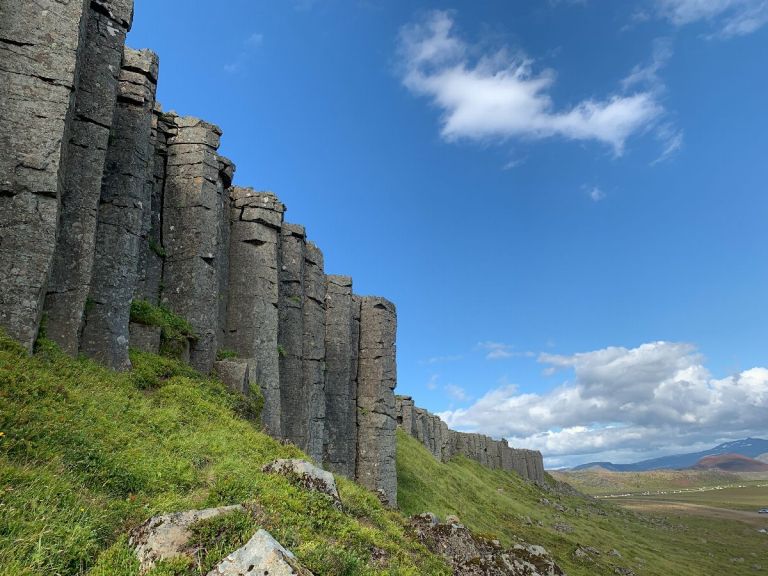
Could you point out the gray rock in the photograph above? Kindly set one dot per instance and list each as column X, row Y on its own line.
column 313, row 365
column 252, row 313
column 306, row 474
column 340, row 453
column 144, row 338
column 152, row 255
column 262, row 554
column 294, row 397
column 38, row 80
column 235, row 373
column 192, row 221
column 224, row 184
column 124, row 199
column 83, row 161
column 165, row 537
column 377, row 378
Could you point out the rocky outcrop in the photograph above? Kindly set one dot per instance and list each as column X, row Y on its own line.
column 307, row 475
column 444, row 444
column 376, row 381
column 167, row 536
column 262, row 554
column 471, row 555
column 125, row 196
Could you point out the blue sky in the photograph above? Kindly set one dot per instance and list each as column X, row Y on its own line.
column 565, row 199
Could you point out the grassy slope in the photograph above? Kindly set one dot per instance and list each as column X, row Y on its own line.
column 86, row 454
column 495, row 502
column 601, row 482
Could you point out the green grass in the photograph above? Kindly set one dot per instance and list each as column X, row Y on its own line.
column 749, row 497
column 598, row 482
column 499, row 503
column 176, row 330
column 86, row 454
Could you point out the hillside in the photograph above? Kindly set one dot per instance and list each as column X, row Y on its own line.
column 499, row 503
column 750, row 447
column 731, row 463
column 599, row 482
column 87, row 454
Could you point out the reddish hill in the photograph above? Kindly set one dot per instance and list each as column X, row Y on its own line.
column 731, row 463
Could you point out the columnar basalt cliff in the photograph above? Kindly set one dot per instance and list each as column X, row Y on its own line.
column 444, row 444
column 109, row 203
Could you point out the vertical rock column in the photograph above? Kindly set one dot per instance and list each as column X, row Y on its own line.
column 124, row 197
column 39, row 43
column 226, row 173
column 377, row 375
column 252, row 313
column 340, row 452
column 192, row 222
column 83, row 165
column 293, row 395
column 313, row 366
column 152, row 251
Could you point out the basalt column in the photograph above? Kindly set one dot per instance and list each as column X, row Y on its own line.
column 124, row 196
column 291, row 334
column 377, row 375
column 192, row 222
column 226, row 173
column 340, row 391
column 152, row 252
column 313, row 366
column 83, row 167
column 252, row 313
column 39, row 44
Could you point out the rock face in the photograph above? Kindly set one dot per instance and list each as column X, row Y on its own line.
column 262, row 554
column 39, row 49
column 376, row 380
column 444, row 444
column 106, row 199
column 341, row 342
column 313, row 366
column 125, row 196
column 83, row 166
column 193, row 216
column 470, row 555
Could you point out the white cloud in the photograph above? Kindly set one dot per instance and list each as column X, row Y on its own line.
column 457, row 393
column 432, row 382
column 500, row 95
column 441, row 359
column 624, row 402
column 730, row 17
column 250, row 45
column 596, row 194
column 499, row 351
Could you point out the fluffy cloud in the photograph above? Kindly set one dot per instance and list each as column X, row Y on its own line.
column 500, row 95
column 732, row 17
column 623, row 402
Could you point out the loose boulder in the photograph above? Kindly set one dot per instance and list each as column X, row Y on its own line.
column 306, row 475
column 165, row 537
column 261, row 555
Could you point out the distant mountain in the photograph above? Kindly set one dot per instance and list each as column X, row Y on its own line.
column 731, row 463
column 762, row 457
column 750, row 447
